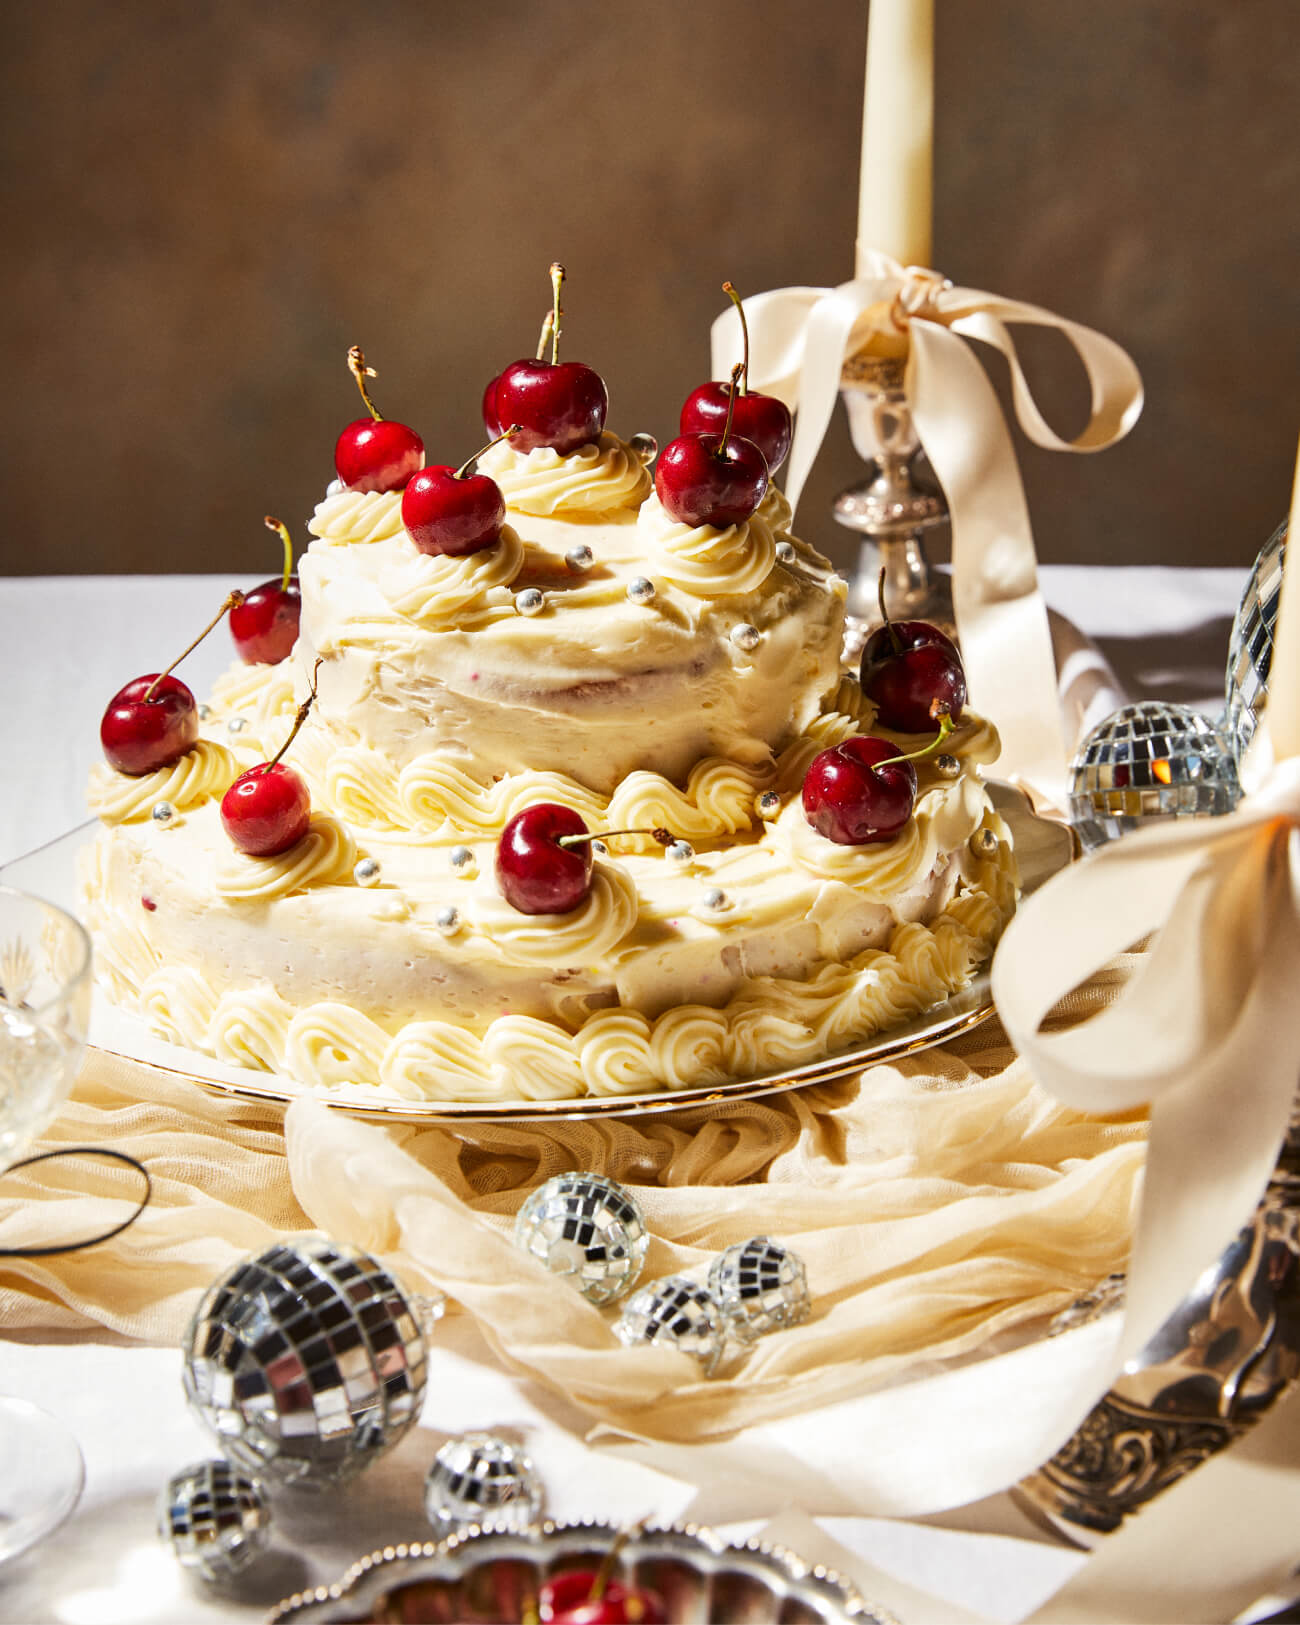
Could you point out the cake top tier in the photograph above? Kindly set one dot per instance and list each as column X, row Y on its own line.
column 598, row 636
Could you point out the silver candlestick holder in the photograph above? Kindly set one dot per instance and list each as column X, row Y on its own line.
column 892, row 508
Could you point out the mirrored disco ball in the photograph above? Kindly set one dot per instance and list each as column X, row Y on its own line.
column 306, row 1362
column 481, row 1479
column 678, row 1312
column 215, row 1519
column 588, row 1228
column 1250, row 648
column 761, row 1286
column 1147, row 762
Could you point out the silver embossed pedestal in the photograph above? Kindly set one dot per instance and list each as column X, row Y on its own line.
column 892, row 508
column 1216, row 1365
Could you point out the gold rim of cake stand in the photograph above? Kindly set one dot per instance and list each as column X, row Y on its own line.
column 1050, row 847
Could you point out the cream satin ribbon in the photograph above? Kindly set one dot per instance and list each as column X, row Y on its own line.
column 799, row 339
column 1208, row 1032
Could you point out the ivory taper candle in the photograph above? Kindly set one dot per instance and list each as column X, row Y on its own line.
column 894, row 208
column 1283, row 709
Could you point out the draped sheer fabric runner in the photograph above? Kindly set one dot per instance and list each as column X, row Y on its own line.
column 939, row 1202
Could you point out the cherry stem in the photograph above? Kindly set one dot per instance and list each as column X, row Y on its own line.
column 544, row 338
column 282, row 530
column 884, row 614
column 943, row 716
column 665, row 837
column 731, row 407
column 469, row 462
column 298, row 721
column 357, row 367
column 233, row 598
column 557, row 315
column 731, row 294
column 605, row 1573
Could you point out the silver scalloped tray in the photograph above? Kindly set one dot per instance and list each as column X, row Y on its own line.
column 494, row 1574
column 1042, row 848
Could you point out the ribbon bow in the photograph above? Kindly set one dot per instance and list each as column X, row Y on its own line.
column 1208, row 1030
column 799, row 339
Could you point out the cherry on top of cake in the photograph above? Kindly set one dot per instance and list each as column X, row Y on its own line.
column 264, row 626
column 375, row 453
column 559, row 404
column 757, row 417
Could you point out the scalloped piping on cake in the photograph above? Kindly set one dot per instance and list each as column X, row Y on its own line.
column 770, row 1022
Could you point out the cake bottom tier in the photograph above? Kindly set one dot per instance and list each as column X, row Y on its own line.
column 254, row 1006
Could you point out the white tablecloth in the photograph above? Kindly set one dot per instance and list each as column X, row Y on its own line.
column 68, row 644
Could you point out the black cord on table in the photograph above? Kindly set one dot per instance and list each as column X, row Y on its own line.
column 91, row 1241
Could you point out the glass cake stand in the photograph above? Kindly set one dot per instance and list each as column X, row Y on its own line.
column 1041, row 847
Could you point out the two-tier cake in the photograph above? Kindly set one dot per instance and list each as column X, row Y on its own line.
column 646, row 673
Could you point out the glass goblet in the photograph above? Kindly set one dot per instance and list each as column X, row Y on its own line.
column 44, row 1009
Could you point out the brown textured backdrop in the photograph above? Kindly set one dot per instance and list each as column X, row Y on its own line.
column 206, row 203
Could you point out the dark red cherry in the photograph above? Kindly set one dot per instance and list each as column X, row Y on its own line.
column 450, row 510
column 850, row 798
column 560, row 404
column 370, row 456
column 265, row 625
column 535, row 874
column 139, row 734
column 375, row 453
column 906, row 666
column 266, row 810
column 760, row 418
column 702, row 480
column 566, row 1599
column 490, row 420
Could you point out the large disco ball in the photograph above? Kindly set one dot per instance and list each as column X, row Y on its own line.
column 1150, row 762
column 1250, row 648
column 306, row 1362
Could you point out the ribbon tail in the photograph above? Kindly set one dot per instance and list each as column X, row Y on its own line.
column 1002, row 621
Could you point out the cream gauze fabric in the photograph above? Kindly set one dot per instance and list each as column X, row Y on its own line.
column 939, row 1202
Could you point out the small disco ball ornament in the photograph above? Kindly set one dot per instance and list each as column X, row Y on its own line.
column 677, row 1312
column 586, row 1227
column 761, row 1285
column 1250, row 647
column 479, row 1478
column 305, row 1362
column 1149, row 762
column 215, row 1519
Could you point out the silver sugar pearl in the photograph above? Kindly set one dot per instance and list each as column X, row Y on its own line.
column 761, row 1286
column 479, row 1478
column 531, row 601
column 946, row 766
column 641, row 589
column 599, row 848
column 984, row 843
column 588, row 1228
column 335, row 488
column 746, row 637
column 163, row 812
column 366, row 872
column 205, row 711
column 681, row 852
column 447, row 920
column 768, row 804
column 644, row 446
column 785, row 552
column 676, row 1313
column 580, row 558
column 236, row 725
column 215, row 1519
column 716, row 899
column 462, row 861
